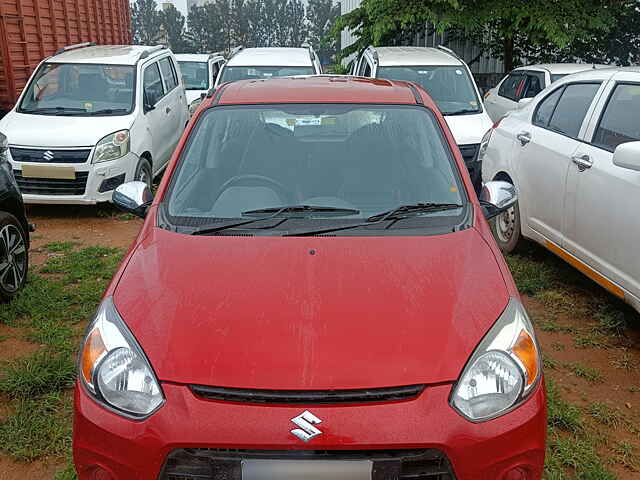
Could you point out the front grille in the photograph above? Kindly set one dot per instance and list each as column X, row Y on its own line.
column 469, row 152
column 214, row 464
column 49, row 156
column 308, row 397
column 52, row 186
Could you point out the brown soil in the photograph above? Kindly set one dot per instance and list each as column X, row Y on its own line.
column 11, row 470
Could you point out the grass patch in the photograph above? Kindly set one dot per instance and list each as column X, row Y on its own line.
column 605, row 415
column 530, row 276
column 571, row 452
column 590, row 374
column 60, row 247
column 38, row 427
column 42, row 372
column 561, row 414
column 625, row 454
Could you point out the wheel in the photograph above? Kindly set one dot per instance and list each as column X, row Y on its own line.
column 143, row 172
column 506, row 229
column 14, row 257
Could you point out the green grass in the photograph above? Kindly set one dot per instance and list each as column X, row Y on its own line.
column 561, row 414
column 605, row 415
column 590, row 374
column 57, row 297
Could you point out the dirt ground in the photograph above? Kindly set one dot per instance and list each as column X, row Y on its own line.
column 615, row 384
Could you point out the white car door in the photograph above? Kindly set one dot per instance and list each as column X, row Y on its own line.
column 547, row 146
column 503, row 98
column 604, row 199
column 157, row 109
column 175, row 103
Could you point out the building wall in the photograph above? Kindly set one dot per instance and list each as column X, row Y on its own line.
column 195, row 3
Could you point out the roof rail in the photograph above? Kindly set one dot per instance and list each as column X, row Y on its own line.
column 151, row 50
column 235, row 51
column 374, row 53
column 74, row 47
column 449, row 51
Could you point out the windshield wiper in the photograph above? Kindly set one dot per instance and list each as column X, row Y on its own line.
column 305, row 211
column 109, row 111
column 398, row 213
column 55, row 110
column 269, row 213
column 465, row 111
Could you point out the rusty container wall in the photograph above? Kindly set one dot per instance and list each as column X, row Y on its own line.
column 31, row 30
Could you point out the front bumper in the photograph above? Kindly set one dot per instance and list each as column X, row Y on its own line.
column 129, row 449
column 87, row 186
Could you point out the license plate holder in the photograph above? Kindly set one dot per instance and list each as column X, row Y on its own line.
column 49, row 172
column 261, row 469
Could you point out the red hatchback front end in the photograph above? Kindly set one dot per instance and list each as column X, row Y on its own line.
column 315, row 294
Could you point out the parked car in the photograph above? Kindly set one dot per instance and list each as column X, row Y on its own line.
column 315, row 293
column 450, row 83
column 199, row 73
column 573, row 154
column 14, row 230
column 92, row 118
column 269, row 62
column 522, row 84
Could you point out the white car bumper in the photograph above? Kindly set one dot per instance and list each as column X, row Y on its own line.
column 92, row 183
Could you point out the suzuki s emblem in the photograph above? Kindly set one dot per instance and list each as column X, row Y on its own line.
column 48, row 155
column 306, row 422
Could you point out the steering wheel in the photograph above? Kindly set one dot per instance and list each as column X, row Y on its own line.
column 257, row 181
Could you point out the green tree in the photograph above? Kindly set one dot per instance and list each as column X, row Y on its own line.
column 505, row 27
column 173, row 23
column 321, row 17
column 146, row 21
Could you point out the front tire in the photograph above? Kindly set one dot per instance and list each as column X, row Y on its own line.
column 143, row 172
column 14, row 256
column 507, row 231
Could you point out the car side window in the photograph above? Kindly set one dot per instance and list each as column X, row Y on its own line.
column 534, row 85
column 619, row 122
column 572, row 107
column 215, row 68
column 545, row 109
column 512, row 86
column 152, row 86
column 168, row 74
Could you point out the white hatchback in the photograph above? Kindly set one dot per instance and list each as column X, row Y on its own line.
column 199, row 73
column 447, row 78
column 522, row 84
column 573, row 155
column 92, row 118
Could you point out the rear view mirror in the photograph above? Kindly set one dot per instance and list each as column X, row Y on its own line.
column 627, row 155
column 133, row 197
column 497, row 197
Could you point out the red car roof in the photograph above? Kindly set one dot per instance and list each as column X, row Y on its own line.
column 321, row 89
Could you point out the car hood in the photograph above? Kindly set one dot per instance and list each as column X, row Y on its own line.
column 60, row 131
column 310, row 313
column 469, row 129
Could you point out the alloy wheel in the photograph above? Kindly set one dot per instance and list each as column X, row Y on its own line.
column 13, row 258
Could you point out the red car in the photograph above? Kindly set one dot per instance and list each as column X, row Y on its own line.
column 315, row 294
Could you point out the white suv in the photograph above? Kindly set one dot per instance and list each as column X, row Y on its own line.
column 271, row 62
column 199, row 73
column 92, row 118
column 573, row 154
column 518, row 88
column 448, row 80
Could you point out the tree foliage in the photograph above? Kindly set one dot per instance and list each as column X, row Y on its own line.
column 173, row 24
column 146, row 22
column 321, row 17
column 510, row 29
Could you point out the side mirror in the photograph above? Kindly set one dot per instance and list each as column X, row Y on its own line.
column 203, row 96
column 497, row 197
column 524, row 101
column 133, row 197
column 627, row 155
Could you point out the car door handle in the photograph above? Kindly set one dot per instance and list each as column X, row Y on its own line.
column 583, row 161
column 524, row 138
column 168, row 110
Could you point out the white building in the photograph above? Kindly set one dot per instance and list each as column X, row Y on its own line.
column 345, row 7
column 195, row 3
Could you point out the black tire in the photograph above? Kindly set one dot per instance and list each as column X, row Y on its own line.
column 507, row 231
column 14, row 256
column 143, row 172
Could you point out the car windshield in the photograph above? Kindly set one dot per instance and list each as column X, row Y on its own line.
column 232, row 74
column 195, row 75
column 356, row 161
column 451, row 87
column 80, row 89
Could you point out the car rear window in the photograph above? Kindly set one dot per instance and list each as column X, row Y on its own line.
column 572, row 108
column 619, row 123
column 233, row 74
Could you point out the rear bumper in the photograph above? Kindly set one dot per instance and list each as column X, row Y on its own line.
column 137, row 450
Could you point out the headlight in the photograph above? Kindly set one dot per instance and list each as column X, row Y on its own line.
column 502, row 371
column 484, row 144
column 112, row 147
column 114, row 368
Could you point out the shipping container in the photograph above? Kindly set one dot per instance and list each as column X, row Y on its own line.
column 31, row 30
